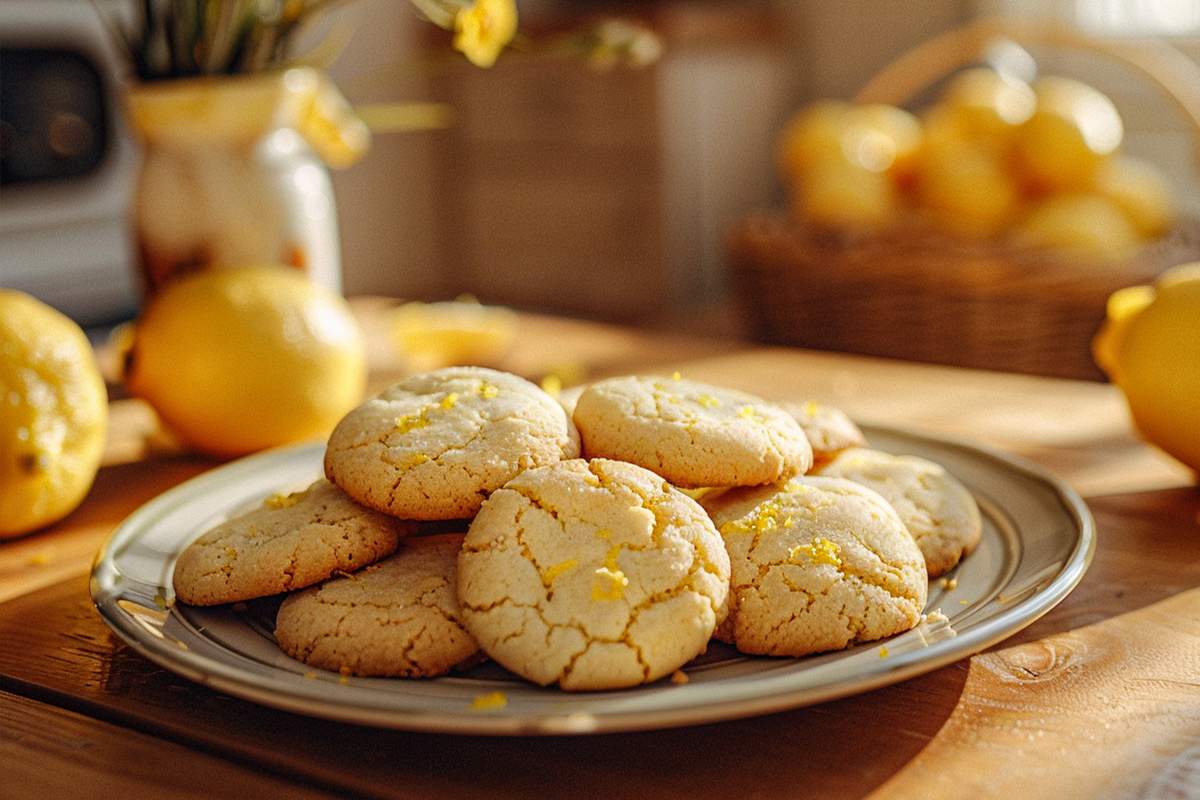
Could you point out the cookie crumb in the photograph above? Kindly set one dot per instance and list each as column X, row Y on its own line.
column 675, row 376
column 949, row 584
column 679, row 678
column 310, row 676
column 964, row 602
column 41, row 558
column 883, row 652
column 160, row 601
column 492, row 701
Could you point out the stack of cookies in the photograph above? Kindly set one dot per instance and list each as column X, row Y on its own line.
column 458, row 521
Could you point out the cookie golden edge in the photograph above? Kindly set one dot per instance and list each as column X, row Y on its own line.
column 592, row 575
column 693, row 434
column 397, row 618
column 818, row 565
column 315, row 533
column 450, row 454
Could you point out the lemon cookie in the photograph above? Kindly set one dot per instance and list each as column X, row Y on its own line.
column 828, row 429
column 817, row 564
column 434, row 445
column 397, row 618
column 289, row 542
column 938, row 510
column 691, row 433
column 592, row 575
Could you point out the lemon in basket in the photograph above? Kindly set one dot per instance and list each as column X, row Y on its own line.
column 1150, row 347
column 966, row 187
column 988, row 104
column 840, row 194
column 238, row 360
column 1074, row 130
column 53, row 413
column 1141, row 191
column 1080, row 224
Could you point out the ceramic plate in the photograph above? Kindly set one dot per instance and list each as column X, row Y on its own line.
column 1037, row 542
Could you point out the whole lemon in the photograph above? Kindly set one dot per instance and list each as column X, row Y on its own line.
column 1079, row 224
column 967, row 188
column 53, row 412
column 1074, row 130
column 840, row 194
column 987, row 103
column 238, row 360
column 1150, row 347
column 1142, row 192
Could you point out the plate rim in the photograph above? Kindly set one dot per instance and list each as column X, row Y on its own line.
column 104, row 577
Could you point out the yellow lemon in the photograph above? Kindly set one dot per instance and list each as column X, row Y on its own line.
column 967, row 188
column 1150, row 347
column 1073, row 131
column 1141, row 191
column 987, row 103
column 238, row 360
column 1080, row 224
column 902, row 130
column 841, row 194
column 53, row 412
column 811, row 135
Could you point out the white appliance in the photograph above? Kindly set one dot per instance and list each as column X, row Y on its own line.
column 68, row 162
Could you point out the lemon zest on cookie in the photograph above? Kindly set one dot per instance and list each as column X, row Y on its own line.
column 708, row 401
column 416, row 459
column 811, row 408
column 820, row 551
column 450, row 400
column 550, row 573
column 604, row 533
column 609, row 584
column 750, row 413
column 410, row 422
column 492, row 701
column 487, row 391
column 675, row 376
column 281, row 500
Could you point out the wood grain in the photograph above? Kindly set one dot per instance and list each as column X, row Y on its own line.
column 1118, row 701
column 58, row 651
column 48, row 752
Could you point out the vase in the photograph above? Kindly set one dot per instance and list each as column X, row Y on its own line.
column 234, row 174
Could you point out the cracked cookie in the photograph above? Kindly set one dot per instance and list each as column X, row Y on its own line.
column 396, row 618
column 434, row 445
column 691, row 433
column 828, row 429
column 817, row 564
column 592, row 575
column 290, row 542
column 938, row 511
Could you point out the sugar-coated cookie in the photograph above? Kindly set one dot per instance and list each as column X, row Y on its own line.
column 592, row 575
column 396, row 618
column 434, row 445
column 939, row 511
column 817, row 564
column 290, row 542
column 691, row 433
column 828, row 429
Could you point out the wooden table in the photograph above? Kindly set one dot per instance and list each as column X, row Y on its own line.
column 1099, row 698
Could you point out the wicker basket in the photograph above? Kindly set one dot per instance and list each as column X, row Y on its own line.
column 921, row 295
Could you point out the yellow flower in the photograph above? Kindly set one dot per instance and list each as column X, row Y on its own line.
column 482, row 29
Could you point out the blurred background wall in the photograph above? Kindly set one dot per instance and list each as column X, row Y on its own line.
column 557, row 187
